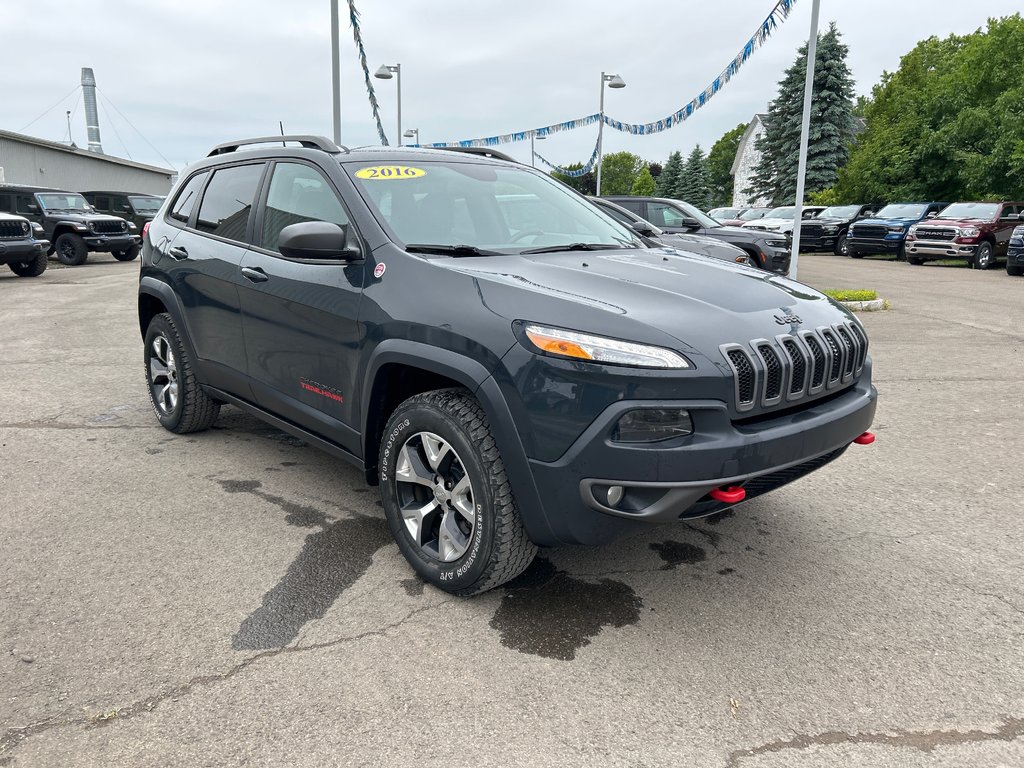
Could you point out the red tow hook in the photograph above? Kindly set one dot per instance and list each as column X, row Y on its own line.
column 866, row 439
column 728, row 495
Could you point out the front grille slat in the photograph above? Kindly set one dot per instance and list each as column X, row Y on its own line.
column 14, row 229
column 794, row 367
column 107, row 227
column 934, row 233
column 869, row 230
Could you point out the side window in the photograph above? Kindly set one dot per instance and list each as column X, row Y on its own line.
column 297, row 193
column 22, row 204
column 631, row 205
column 5, row 204
column 662, row 215
column 101, row 202
column 186, row 199
column 228, row 201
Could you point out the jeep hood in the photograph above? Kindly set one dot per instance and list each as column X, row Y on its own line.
column 956, row 222
column 905, row 222
column 646, row 295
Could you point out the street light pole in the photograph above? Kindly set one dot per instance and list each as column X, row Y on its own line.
column 614, row 81
column 413, row 132
column 336, row 70
column 385, row 73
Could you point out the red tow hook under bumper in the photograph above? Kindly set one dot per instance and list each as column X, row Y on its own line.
column 732, row 494
column 866, row 439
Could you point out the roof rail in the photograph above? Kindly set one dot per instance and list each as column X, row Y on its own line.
column 483, row 151
column 310, row 142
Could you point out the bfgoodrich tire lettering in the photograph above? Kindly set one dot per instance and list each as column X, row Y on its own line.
column 180, row 403
column 497, row 548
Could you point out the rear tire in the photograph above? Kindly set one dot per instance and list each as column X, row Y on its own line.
column 984, row 257
column 71, row 249
column 32, row 268
column 128, row 254
column 915, row 261
column 446, row 496
column 180, row 403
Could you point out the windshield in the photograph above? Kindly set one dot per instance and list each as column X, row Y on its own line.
column 980, row 211
column 64, row 201
column 146, row 204
column 753, row 214
column 724, row 213
column 839, row 212
column 901, row 211
column 483, row 206
column 785, row 212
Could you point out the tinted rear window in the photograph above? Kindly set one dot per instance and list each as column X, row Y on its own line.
column 228, row 201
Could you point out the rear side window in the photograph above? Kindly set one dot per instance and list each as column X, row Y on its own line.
column 186, row 200
column 228, row 201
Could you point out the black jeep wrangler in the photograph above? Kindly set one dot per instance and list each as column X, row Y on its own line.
column 508, row 386
column 21, row 246
column 137, row 207
column 72, row 226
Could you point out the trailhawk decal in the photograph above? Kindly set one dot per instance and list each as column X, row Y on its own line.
column 390, row 172
column 321, row 389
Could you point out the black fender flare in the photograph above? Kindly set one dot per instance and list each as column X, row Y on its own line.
column 475, row 377
column 158, row 289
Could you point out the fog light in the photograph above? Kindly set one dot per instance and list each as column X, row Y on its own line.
column 615, row 494
column 651, row 425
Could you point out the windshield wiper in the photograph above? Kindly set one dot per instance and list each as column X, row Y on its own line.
column 450, row 250
column 577, row 247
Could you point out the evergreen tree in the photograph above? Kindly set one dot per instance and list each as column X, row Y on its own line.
column 644, row 184
column 693, row 184
column 670, row 174
column 830, row 131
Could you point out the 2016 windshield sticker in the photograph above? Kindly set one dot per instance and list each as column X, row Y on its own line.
column 390, row 172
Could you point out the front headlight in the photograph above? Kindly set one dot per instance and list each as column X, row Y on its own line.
column 598, row 349
column 829, row 230
column 776, row 243
column 968, row 231
column 912, row 230
column 898, row 228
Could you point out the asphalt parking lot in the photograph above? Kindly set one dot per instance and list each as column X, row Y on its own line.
column 234, row 596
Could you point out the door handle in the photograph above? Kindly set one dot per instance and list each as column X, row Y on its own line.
column 177, row 253
column 254, row 274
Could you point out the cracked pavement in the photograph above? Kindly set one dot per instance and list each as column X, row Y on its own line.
column 232, row 597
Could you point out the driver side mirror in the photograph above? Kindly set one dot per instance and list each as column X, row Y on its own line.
column 319, row 240
column 644, row 228
column 932, row 215
column 127, row 208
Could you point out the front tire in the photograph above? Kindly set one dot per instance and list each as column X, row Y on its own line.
column 128, row 254
column 180, row 403
column 842, row 245
column 32, row 268
column 71, row 249
column 446, row 496
column 1014, row 271
column 984, row 257
column 915, row 261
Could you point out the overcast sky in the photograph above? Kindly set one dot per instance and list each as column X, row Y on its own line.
column 188, row 74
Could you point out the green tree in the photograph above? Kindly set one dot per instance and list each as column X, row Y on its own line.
column 693, row 184
column 946, row 125
column 668, row 179
column 720, row 160
column 619, row 172
column 644, row 184
column 831, row 128
column 585, row 183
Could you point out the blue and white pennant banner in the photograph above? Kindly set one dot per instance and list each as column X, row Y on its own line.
column 779, row 14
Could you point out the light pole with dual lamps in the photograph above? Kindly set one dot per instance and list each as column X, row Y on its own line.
column 386, row 72
column 614, row 81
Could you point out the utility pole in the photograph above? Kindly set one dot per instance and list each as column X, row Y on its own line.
column 812, row 50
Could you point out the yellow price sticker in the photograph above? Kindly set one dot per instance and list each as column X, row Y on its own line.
column 390, row 172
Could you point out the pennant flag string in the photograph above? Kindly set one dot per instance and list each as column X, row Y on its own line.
column 780, row 13
column 574, row 173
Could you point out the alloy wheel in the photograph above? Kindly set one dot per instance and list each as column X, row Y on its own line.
column 435, row 497
column 163, row 375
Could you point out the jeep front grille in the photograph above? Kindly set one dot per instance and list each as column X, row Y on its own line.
column 14, row 229
column 108, row 227
column 792, row 367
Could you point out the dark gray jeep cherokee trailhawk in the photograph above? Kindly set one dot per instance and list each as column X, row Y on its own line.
column 512, row 375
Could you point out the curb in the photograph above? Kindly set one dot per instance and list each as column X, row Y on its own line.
column 866, row 306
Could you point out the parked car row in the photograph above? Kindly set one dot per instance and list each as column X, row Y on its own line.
column 72, row 225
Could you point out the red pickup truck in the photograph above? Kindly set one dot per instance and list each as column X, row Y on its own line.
column 977, row 232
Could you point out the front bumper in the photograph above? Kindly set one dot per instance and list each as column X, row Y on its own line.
column 874, row 245
column 941, row 249
column 15, row 251
column 110, row 242
column 775, row 259
column 1015, row 256
column 670, row 481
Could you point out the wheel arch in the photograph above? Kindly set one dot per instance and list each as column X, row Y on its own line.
column 155, row 297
